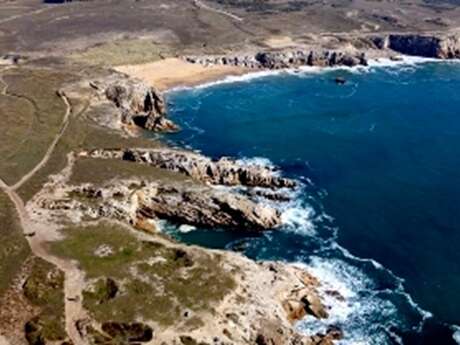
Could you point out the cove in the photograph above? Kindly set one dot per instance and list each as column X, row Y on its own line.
column 379, row 212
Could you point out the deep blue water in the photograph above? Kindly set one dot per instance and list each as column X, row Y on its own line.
column 379, row 214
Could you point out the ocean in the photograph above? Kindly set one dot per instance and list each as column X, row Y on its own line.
column 377, row 216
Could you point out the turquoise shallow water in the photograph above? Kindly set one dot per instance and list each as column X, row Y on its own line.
column 378, row 216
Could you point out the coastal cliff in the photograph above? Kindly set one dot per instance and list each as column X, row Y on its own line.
column 284, row 59
column 103, row 220
column 91, row 208
column 352, row 51
column 138, row 105
column 176, row 294
column 430, row 46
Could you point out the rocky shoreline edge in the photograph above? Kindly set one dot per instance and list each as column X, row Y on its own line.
column 258, row 303
column 205, row 296
column 355, row 52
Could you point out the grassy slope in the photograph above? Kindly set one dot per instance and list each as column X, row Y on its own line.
column 174, row 279
column 31, row 120
column 121, row 52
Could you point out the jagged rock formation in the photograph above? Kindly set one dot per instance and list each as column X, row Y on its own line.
column 440, row 46
column 256, row 303
column 431, row 46
column 208, row 208
column 141, row 203
column 284, row 59
column 139, row 105
column 224, row 171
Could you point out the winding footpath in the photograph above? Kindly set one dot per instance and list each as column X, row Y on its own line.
column 65, row 124
column 200, row 4
column 37, row 239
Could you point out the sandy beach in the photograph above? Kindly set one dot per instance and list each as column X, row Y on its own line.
column 174, row 72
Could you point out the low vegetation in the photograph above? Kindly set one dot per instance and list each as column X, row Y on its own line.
column 121, row 52
column 44, row 288
column 14, row 249
column 132, row 279
column 32, row 115
column 97, row 171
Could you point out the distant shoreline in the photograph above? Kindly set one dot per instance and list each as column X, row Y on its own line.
column 174, row 73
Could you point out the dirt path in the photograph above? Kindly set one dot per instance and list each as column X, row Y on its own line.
column 65, row 123
column 202, row 5
column 38, row 236
column 5, row 86
column 27, row 14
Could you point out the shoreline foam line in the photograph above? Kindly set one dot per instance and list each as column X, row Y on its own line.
column 403, row 60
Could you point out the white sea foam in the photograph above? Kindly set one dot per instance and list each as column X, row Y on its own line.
column 403, row 60
column 358, row 312
column 229, row 80
column 298, row 218
column 400, row 282
column 185, row 228
column 456, row 334
column 365, row 316
column 256, row 161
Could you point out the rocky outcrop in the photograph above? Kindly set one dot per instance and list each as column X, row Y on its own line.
column 224, row 171
column 141, row 203
column 139, row 105
column 431, row 46
column 284, row 59
column 217, row 297
column 207, row 207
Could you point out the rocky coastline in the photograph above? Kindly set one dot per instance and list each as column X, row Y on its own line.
column 255, row 303
column 252, row 302
column 438, row 46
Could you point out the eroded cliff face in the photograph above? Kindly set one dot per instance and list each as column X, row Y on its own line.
column 431, row 46
column 138, row 105
column 273, row 60
column 142, row 204
column 349, row 51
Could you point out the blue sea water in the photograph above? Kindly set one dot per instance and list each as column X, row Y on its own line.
column 378, row 214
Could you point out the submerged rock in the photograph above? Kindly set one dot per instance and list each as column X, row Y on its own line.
column 340, row 81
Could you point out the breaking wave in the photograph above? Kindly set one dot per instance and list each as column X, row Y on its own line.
column 456, row 335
